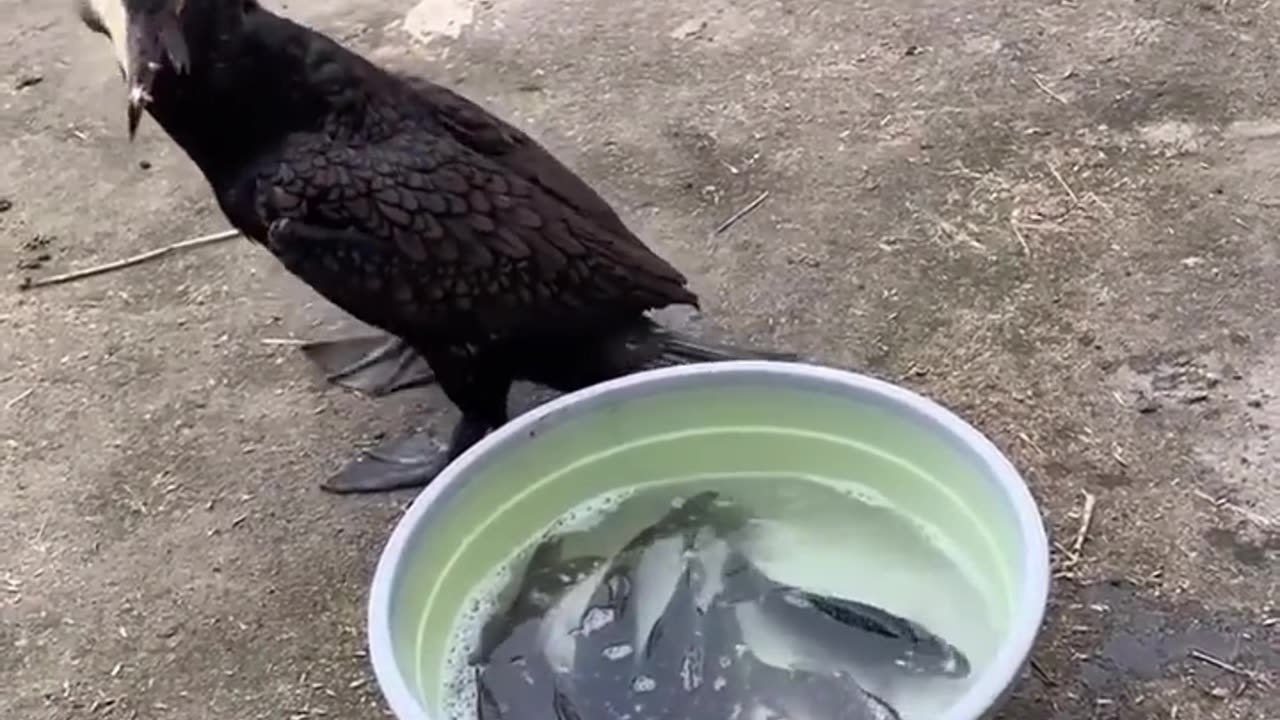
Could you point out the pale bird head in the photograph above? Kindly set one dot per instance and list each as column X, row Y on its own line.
column 146, row 35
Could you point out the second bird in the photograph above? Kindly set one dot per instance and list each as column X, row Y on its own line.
column 406, row 205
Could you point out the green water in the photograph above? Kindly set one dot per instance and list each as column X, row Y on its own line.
column 831, row 537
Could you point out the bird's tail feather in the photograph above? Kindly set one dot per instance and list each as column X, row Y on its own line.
column 680, row 348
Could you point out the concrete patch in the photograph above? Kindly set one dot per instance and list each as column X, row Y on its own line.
column 1253, row 130
column 432, row 19
column 1172, row 137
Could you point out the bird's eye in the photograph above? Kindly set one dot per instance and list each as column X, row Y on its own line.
column 90, row 17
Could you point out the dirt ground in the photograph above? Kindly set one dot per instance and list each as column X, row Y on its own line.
column 1058, row 218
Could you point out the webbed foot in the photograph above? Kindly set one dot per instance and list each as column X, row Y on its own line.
column 412, row 461
column 399, row 464
column 375, row 365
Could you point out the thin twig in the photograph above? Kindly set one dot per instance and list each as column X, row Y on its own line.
column 1045, row 677
column 1075, row 199
column 19, row 398
column 742, row 213
column 1204, row 657
column 1086, row 519
column 288, row 342
column 30, row 284
column 1047, row 90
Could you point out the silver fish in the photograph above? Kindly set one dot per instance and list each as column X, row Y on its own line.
column 515, row 679
column 547, row 578
column 657, row 634
column 840, row 629
column 691, row 661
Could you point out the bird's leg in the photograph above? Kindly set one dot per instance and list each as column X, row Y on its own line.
column 478, row 391
column 375, row 365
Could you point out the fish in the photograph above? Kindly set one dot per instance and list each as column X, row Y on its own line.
column 662, row 631
column 650, row 564
column 613, row 677
column 629, row 637
column 798, row 695
column 547, row 578
column 550, row 576
column 514, row 677
column 514, row 668
column 691, row 661
column 487, row 705
column 923, row 652
column 846, row 632
column 759, row 689
column 708, row 509
column 516, row 688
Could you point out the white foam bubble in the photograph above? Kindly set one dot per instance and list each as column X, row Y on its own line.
column 460, row 698
column 618, row 651
column 862, row 494
column 596, row 619
column 644, row 684
column 587, row 515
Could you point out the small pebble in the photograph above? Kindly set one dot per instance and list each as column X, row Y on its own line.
column 145, row 164
column 5, row 205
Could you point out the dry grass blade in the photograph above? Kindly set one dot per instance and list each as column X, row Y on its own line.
column 1047, row 90
column 1026, row 249
column 1075, row 199
column 1086, row 520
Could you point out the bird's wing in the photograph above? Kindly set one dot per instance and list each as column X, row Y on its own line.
column 510, row 147
column 422, row 235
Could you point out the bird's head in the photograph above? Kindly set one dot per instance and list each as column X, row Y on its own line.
column 152, row 36
column 146, row 36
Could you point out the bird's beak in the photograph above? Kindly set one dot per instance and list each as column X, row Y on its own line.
column 139, row 78
column 135, row 116
column 144, row 41
column 151, row 40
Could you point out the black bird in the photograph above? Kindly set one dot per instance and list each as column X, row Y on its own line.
column 405, row 204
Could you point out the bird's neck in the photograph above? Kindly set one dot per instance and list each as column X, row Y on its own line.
column 251, row 86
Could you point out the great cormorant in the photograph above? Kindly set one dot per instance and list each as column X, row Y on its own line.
column 405, row 204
